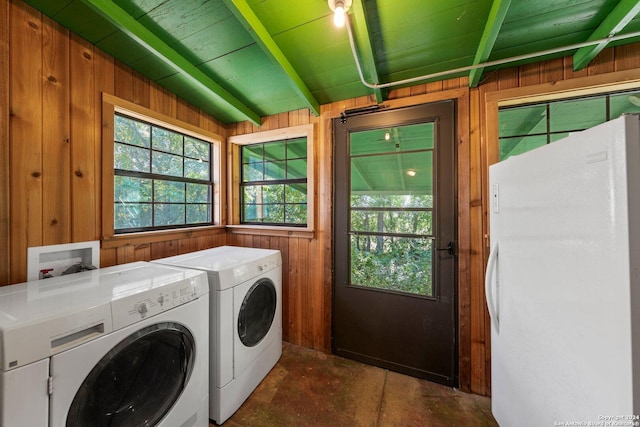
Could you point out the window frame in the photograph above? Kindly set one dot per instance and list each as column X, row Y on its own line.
column 234, row 184
column 545, row 92
column 112, row 105
column 521, row 95
column 551, row 135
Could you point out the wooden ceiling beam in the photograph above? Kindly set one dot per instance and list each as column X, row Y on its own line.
column 243, row 13
column 154, row 44
column 615, row 22
column 492, row 27
column 368, row 59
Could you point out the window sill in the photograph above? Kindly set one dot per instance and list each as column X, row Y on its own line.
column 265, row 230
column 159, row 236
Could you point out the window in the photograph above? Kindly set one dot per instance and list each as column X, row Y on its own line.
column 274, row 183
column 274, row 178
column 525, row 127
column 158, row 173
column 162, row 177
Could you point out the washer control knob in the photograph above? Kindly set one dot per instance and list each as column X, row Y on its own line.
column 142, row 309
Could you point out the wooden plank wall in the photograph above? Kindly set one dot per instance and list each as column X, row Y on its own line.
column 51, row 83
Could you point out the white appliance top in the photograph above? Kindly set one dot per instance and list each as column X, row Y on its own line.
column 228, row 265
column 45, row 317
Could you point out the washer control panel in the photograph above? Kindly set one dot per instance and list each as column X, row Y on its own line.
column 139, row 306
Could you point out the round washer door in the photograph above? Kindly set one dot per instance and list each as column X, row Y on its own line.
column 257, row 312
column 138, row 381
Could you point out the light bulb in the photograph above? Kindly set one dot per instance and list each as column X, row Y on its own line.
column 411, row 172
column 387, row 136
column 338, row 17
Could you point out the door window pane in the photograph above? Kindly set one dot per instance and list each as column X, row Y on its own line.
column 392, row 201
column 396, row 139
column 392, row 263
column 393, row 173
column 391, row 208
column 393, row 221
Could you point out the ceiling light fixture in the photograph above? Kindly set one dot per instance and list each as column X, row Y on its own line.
column 339, row 8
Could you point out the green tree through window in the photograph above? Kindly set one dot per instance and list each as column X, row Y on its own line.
column 274, row 183
column 163, row 178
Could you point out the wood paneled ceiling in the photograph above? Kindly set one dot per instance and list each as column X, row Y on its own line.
column 244, row 59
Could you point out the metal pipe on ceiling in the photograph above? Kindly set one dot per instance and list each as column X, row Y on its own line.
column 483, row 65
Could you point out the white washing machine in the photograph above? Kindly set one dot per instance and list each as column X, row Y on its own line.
column 119, row 346
column 246, row 320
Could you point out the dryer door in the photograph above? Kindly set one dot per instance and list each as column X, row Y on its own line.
column 138, row 381
column 257, row 312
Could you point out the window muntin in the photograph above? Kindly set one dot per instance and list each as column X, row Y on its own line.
column 163, row 178
column 273, row 185
column 523, row 128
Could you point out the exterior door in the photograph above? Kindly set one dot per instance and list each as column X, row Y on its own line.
column 395, row 240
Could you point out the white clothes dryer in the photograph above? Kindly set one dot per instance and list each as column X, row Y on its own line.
column 119, row 346
column 246, row 320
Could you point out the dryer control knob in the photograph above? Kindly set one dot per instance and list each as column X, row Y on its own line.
column 142, row 309
column 161, row 299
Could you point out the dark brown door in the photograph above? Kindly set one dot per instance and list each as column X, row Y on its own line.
column 395, row 240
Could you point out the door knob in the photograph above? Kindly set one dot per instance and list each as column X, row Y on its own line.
column 451, row 249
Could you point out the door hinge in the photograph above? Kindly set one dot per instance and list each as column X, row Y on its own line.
column 50, row 386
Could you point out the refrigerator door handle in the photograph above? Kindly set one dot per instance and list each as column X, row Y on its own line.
column 488, row 287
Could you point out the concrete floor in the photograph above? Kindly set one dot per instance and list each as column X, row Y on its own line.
column 310, row 388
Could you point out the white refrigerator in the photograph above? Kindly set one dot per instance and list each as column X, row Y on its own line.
column 563, row 281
